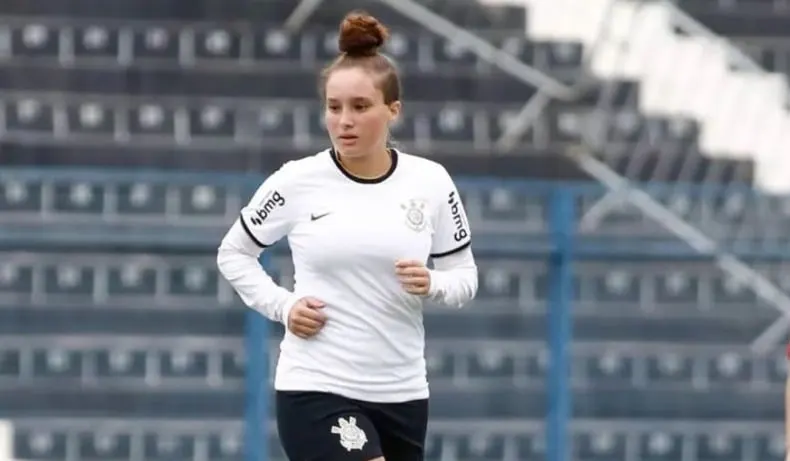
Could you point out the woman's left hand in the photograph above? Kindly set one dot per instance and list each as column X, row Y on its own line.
column 414, row 276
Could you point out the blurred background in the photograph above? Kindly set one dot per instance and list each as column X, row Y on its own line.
column 624, row 165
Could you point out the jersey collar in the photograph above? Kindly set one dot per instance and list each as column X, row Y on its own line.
column 382, row 178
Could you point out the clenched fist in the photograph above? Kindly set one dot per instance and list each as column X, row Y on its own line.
column 306, row 317
column 414, row 276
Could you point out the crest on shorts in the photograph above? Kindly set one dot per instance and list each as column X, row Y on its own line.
column 351, row 436
column 415, row 214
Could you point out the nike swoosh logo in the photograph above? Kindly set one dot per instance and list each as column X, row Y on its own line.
column 316, row 217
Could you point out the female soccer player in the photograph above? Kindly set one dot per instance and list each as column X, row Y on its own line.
column 361, row 220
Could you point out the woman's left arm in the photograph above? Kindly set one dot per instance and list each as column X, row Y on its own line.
column 453, row 280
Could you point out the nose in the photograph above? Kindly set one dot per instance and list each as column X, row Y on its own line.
column 346, row 119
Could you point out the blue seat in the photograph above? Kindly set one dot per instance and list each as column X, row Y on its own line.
column 212, row 122
column 120, row 364
column 78, row 197
column 452, row 124
column 203, row 201
column 225, row 447
column 16, row 282
column 132, row 280
column 442, row 364
column 35, row 40
column 40, row 444
column 661, row 446
column 193, row 281
column 166, row 447
column 69, row 281
column 217, row 45
column 106, row 446
column 233, row 365
column 490, row 362
column 530, row 447
column 600, row 445
column 27, row 117
column 769, row 447
column 609, row 369
column 92, row 120
column 721, row 447
column 10, row 364
column 487, row 447
column 20, row 196
column 55, row 365
column 184, row 365
column 151, row 121
column 155, row 44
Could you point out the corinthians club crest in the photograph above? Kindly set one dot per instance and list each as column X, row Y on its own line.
column 351, row 436
column 415, row 214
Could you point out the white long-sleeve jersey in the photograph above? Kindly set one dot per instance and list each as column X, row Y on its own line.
column 345, row 235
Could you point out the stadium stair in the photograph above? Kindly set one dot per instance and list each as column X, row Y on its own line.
column 740, row 108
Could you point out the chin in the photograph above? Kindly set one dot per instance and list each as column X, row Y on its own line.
column 351, row 151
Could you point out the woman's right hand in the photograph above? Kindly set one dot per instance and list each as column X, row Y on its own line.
column 306, row 317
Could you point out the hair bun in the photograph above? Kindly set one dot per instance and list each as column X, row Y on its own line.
column 361, row 34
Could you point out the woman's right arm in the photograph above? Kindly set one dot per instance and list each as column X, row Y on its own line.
column 237, row 259
column 266, row 219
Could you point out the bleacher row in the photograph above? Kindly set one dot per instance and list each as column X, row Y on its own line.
column 477, row 440
column 149, row 364
column 247, row 47
column 66, row 83
column 46, row 118
column 494, row 206
column 506, row 285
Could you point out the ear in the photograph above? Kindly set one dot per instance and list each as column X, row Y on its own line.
column 395, row 109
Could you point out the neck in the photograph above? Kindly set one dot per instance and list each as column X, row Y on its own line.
column 368, row 166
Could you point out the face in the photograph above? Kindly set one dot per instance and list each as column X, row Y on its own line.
column 356, row 116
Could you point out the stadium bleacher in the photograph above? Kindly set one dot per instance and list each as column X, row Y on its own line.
column 120, row 342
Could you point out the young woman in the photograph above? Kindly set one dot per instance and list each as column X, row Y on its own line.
column 362, row 221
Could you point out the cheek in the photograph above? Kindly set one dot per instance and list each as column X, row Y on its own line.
column 330, row 123
column 376, row 126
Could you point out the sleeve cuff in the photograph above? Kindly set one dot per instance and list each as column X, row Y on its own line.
column 285, row 311
column 436, row 290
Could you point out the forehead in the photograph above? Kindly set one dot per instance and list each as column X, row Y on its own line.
column 352, row 83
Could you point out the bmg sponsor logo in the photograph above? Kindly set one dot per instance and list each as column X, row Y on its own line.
column 273, row 201
column 458, row 220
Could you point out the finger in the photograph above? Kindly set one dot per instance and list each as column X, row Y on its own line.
column 401, row 263
column 312, row 314
column 305, row 311
column 297, row 331
column 313, row 302
column 413, row 290
column 305, row 331
column 413, row 271
column 415, row 284
column 414, row 281
column 306, row 322
column 304, row 334
column 414, row 277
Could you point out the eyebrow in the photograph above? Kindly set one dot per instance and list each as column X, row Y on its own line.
column 354, row 99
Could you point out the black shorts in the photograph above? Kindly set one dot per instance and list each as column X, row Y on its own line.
column 316, row 426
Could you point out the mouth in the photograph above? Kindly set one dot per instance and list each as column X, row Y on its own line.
column 348, row 139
